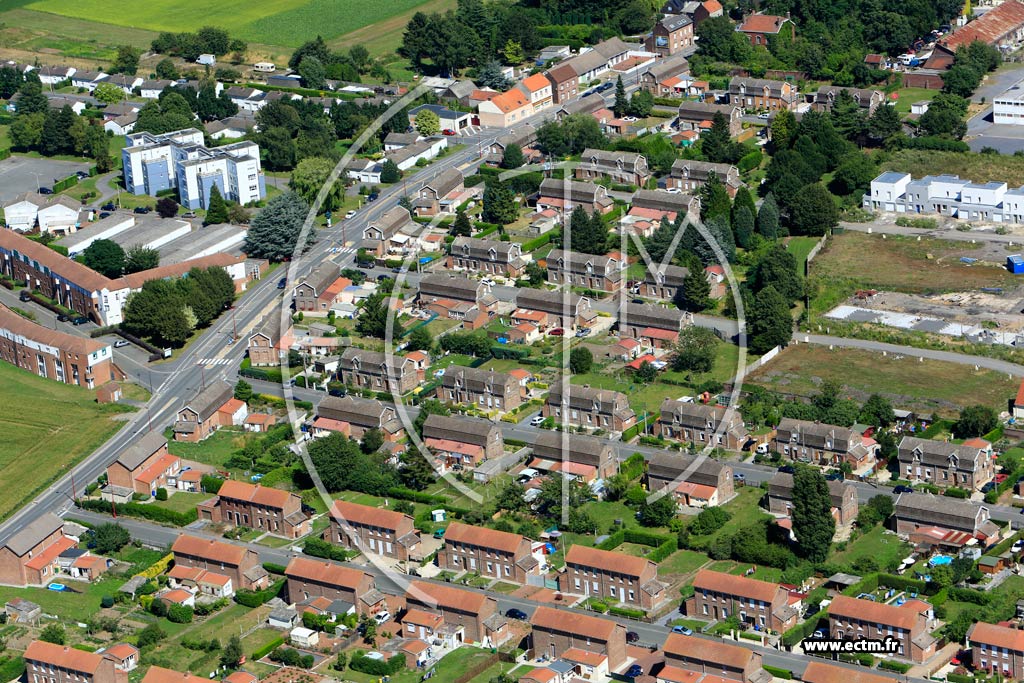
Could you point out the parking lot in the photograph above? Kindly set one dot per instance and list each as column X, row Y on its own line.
column 24, row 174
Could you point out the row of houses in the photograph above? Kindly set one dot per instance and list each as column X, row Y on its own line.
column 945, row 195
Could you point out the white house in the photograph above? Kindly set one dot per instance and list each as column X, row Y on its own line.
column 122, row 125
column 406, row 157
column 151, row 89
column 364, row 171
column 20, row 214
column 59, row 215
column 887, row 189
column 52, row 75
column 88, row 79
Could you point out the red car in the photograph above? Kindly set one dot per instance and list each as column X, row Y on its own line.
column 448, row 131
column 557, row 332
column 1000, row 478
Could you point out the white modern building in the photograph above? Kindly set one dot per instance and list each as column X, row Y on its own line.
column 180, row 160
column 946, row 195
column 1008, row 108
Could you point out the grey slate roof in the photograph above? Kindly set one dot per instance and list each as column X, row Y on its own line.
column 588, row 450
column 476, row 247
column 938, row 453
column 208, row 401
column 659, row 200
column 30, row 535
column 781, row 486
column 136, row 454
column 668, row 466
column 322, row 277
column 669, row 275
column 651, row 315
column 940, row 511
column 578, row 262
column 449, row 286
column 472, row 430
column 549, row 301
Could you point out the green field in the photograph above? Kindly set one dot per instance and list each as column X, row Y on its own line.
column 47, row 427
column 281, row 22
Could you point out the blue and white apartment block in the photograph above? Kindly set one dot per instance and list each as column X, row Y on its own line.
column 179, row 160
column 946, row 195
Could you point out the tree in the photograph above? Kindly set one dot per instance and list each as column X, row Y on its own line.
column 716, row 143
column 217, row 209
column 415, row 472
column 309, row 177
column 877, row 411
column 814, row 212
column 430, row 406
column 312, row 72
column 105, row 257
column 513, row 53
column 166, row 207
column 646, row 373
column 588, row 233
column 769, row 323
column 373, row 439
column 581, row 360
column 138, row 258
column 107, row 93
column 621, row 105
column 32, row 100
column 658, row 513
column 641, row 103
column 56, row 137
column 27, row 130
column 854, row 174
column 420, row 339
column 535, row 274
column 389, row 172
column 776, row 266
column 461, row 227
column 499, row 205
column 813, row 525
column 768, row 218
column 159, row 311
column 278, row 147
column 373, row 318
column 695, row 294
column 883, row 505
column 110, row 538
column 512, row 157
column 782, row 129
column 231, row 655
column 946, row 117
column 961, row 79
column 490, row 76
column 847, row 118
column 427, row 123
column 743, row 226
column 53, row 633
column 151, row 635
column 126, row 61
column 243, row 391
column 714, row 199
column 10, row 80
column 975, row 421
column 274, row 231
column 884, row 123
column 166, row 70
column 695, row 350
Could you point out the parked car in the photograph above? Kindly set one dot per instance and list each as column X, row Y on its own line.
column 142, row 209
column 336, row 392
column 80, row 320
column 109, row 206
column 372, row 197
column 439, row 533
column 634, row 671
column 61, row 318
column 764, row 115
column 121, row 343
column 24, row 295
column 811, row 611
column 487, row 281
column 988, row 487
column 104, row 214
column 605, row 87
column 739, row 476
column 835, row 476
column 638, row 301
column 448, row 131
column 350, row 214
column 382, row 617
column 788, row 469
column 282, row 283
column 514, row 613
column 632, row 637
column 537, row 420
column 679, row 628
column 45, row 190
column 82, row 175
column 903, row 489
column 583, row 332
column 557, row 332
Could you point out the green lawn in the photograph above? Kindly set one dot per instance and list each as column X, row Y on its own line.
column 449, row 668
column 884, row 548
column 232, row 620
column 908, row 96
column 47, row 427
column 182, row 501
column 682, row 562
column 212, row 451
column 800, row 247
column 71, row 607
column 744, row 510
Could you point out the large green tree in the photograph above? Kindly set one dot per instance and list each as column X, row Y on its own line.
column 499, row 205
column 695, row 350
column 217, row 208
column 138, row 258
column 105, row 257
column 769, row 323
column 813, row 524
column 814, row 211
column 309, row 177
column 275, row 230
column 976, row 420
column 373, row 318
column 776, row 266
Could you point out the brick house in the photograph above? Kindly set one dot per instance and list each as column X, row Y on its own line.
column 671, row 34
column 556, row 631
column 918, row 512
column 717, row 595
column 49, row 663
column 465, row 440
column 868, row 100
column 653, row 205
column 377, row 530
column 522, row 137
column 447, row 286
column 697, row 116
column 201, row 416
column 821, row 672
column 714, row 658
column 29, row 557
column 695, row 481
column 564, row 83
column 257, row 507
column 353, row 416
column 609, row 575
column 145, row 466
column 821, row 444
column 627, row 168
column 240, row 564
column 639, row 319
column 489, row 552
column 663, row 282
column 563, row 196
column 485, row 389
column 264, row 342
column 664, row 78
column 562, row 309
column 701, row 424
column 589, row 407
column 377, row 371
column 843, row 495
column 474, row 612
column 576, row 269
column 490, row 257
column 309, row 292
column 377, row 234
column 760, row 93
column 308, row 579
column 997, row 649
column 586, row 458
column 440, row 195
column 760, row 27
column 910, row 624
column 969, row 465
column 690, row 176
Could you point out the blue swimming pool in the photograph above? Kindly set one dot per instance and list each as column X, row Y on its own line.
column 939, row 560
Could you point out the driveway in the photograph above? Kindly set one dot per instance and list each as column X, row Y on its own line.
column 21, row 174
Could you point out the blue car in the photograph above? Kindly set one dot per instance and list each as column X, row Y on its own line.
column 682, row 629
column 634, row 671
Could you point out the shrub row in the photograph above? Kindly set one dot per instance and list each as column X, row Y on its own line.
column 537, row 242
column 377, row 667
column 784, row 674
column 268, row 648
column 250, row 598
column 150, row 512
column 902, row 667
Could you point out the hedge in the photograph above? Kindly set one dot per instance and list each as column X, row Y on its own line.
column 268, row 648
column 62, row 185
column 784, row 674
column 635, row 429
column 799, row 632
column 274, row 568
column 748, row 162
column 902, row 583
column 613, row 541
column 968, row 595
column 250, row 598
column 663, row 550
column 377, row 667
column 954, row 492
column 642, row 537
column 537, row 242
column 626, row 612
column 900, row 667
column 956, row 678
column 150, row 512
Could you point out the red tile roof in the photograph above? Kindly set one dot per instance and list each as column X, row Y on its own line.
column 121, row 651
column 162, row 464
column 483, row 537
column 565, row 621
column 176, row 595
column 608, row 560
column 47, row 556
column 709, row 651
column 260, row 495
column 820, row 672
column 447, row 597
column 158, row 674
column 354, row 513
column 740, row 586
column 11, row 321
column 231, row 406
column 63, row 656
column 869, row 611
column 324, row 572
column 990, row 27
column 215, row 551
column 67, row 269
column 999, row 636
column 762, row 23
column 510, row 101
column 536, row 82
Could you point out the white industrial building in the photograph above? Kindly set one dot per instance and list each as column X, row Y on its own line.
column 1008, row 108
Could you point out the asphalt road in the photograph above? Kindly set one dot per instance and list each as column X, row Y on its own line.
column 943, row 234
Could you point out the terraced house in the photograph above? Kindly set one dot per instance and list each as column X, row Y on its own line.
column 29, row 557
column 822, row 444
column 614, row 576
column 663, row 282
column 627, row 168
column 690, row 176
column 144, row 466
column 440, row 195
column 943, row 522
column 761, row 604
column 485, row 389
column 353, row 416
column 589, row 407
column 576, row 269
column 439, row 286
column 310, row 579
column 309, row 293
column 376, row 530
column 659, row 326
column 712, row 657
column 489, row 552
column 240, row 564
column 969, row 465
column 472, row 615
column 586, row 458
column 693, row 481
column 490, row 257
column 562, row 309
column 49, row 663
column 697, row 116
column 563, row 196
column 910, row 624
column 257, row 507
column 556, row 632
column 377, row 371
column 701, row 424
column 760, row 93
column 466, row 441
column 997, row 649
column 202, row 415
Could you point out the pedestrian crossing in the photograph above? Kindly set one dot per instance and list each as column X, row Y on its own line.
column 213, row 361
